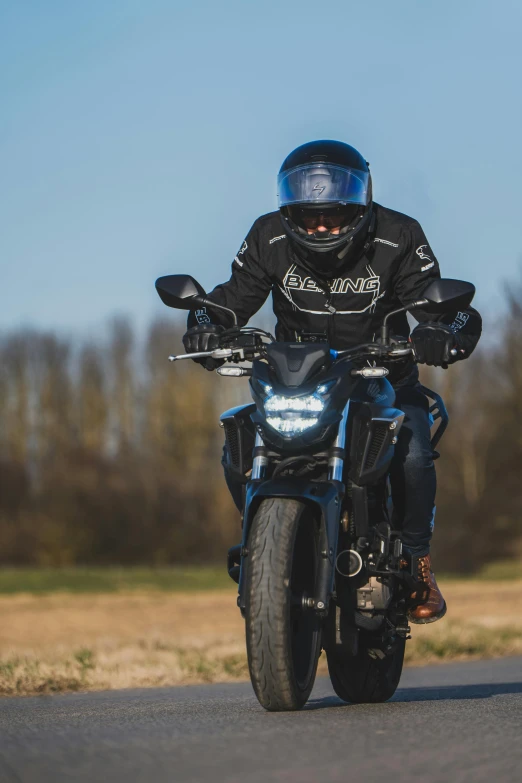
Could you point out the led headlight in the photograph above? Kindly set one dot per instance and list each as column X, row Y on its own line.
column 278, row 404
column 291, row 426
column 293, row 415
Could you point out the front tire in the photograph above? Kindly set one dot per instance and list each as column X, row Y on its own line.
column 283, row 636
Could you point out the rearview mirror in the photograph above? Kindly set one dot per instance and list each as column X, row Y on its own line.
column 183, row 292
column 179, row 291
column 445, row 294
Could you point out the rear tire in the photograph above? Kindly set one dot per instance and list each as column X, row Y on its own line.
column 283, row 638
column 363, row 678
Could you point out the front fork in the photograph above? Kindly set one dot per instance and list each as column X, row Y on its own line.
column 337, row 452
column 260, row 459
column 326, row 496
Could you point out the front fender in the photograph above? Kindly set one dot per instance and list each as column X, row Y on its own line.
column 325, row 497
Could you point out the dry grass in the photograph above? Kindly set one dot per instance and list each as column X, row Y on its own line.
column 62, row 642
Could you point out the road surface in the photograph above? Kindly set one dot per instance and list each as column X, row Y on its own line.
column 451, row 723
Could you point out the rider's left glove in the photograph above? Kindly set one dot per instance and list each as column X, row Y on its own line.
column 204, row 337
column 433, row 342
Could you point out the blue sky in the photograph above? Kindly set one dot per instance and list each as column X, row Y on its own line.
column 143, row 138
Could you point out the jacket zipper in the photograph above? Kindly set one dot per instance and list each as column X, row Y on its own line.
column 330, row 322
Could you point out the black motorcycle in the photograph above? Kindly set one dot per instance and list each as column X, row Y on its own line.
column 319, row 565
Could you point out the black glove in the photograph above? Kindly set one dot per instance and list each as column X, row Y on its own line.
column 204, row 337
column 433, row 342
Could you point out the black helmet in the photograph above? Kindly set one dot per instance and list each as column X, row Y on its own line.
column 325, row 183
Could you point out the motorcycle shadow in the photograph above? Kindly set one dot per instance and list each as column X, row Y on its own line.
column 431, row 693
column 457, row 692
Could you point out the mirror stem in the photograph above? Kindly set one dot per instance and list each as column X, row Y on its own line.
column 385, row 329
column 384, row 335
column 207, row 302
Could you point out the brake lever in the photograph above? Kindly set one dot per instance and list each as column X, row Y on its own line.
column 218, row 353
column 399, row 352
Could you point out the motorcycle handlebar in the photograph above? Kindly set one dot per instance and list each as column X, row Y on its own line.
column 370, row 348
column 373, row 349
column 377, row 350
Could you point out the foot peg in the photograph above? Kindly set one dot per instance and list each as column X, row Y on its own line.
column 234, row 562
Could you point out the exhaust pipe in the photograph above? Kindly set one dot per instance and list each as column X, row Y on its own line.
column 348, row 562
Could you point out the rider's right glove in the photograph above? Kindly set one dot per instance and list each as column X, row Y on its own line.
column 204, row 337
column 433, row 342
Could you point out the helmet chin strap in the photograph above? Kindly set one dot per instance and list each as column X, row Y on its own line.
column 369, row 240
column 345, row 250
column 371, row 232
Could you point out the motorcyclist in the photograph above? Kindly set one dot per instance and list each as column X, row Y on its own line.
column 336, row 263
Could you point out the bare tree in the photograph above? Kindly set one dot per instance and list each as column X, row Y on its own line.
column 123, row 389
column 92, row 412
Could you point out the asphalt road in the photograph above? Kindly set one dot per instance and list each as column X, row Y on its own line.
column 452, row 723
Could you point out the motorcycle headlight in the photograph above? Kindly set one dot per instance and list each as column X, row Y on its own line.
column 293, row 415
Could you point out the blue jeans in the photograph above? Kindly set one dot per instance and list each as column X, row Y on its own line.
column 412, row 473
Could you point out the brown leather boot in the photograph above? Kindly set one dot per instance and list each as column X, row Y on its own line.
column 431, row 606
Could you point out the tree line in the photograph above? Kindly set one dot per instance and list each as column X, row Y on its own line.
column 110, row 455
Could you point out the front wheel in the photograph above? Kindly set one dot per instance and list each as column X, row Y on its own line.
column 283, row 635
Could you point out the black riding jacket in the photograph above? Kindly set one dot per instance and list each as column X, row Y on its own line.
column 391, row 270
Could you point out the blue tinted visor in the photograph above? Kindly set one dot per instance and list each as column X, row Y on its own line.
column 323, row 183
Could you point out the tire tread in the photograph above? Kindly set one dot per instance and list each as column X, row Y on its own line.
column 270, row 547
